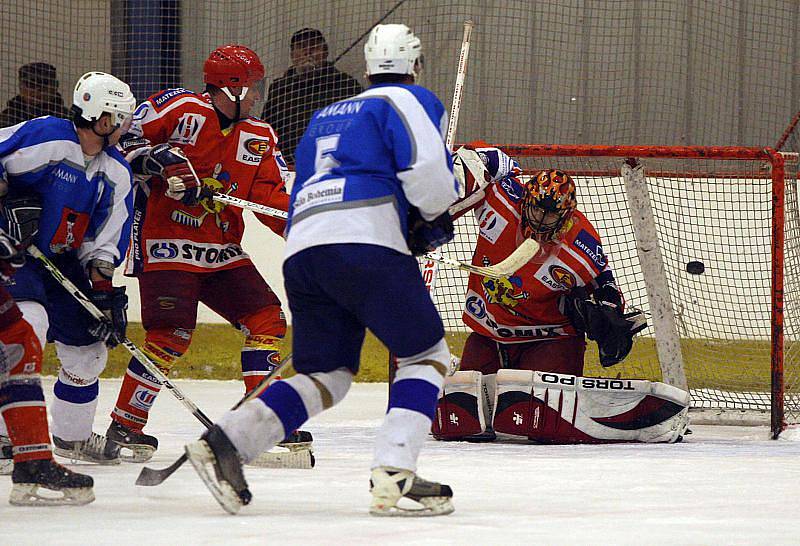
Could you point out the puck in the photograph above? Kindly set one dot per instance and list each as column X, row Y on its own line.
column 695, row 268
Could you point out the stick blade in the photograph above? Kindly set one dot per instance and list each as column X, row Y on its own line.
column 150, row 477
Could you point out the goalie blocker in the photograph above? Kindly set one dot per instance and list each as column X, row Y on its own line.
column 560, row 409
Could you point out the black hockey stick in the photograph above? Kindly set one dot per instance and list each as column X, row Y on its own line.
column 127, row 343
column 378, row 22
column 149, row 477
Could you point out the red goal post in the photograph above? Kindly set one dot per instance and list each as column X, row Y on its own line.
column 719, row 333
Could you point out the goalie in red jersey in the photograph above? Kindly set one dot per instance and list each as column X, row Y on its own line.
column 522, row 365
column 185, row 247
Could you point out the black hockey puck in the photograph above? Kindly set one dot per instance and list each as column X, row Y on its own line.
column 695, row 268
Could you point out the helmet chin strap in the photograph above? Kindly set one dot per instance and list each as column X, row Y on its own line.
column 105, row 137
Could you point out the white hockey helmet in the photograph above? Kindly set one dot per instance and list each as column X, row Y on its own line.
column 393, row 49
column 97, row 93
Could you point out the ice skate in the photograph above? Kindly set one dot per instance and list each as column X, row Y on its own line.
column 63, row 485
column 226, row 482
column 97, row 449
column 6, row 460
column 297, row 453
column 132, row 446
column 390, row 485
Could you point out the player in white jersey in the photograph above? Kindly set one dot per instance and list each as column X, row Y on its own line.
column 374, row 183
column 82, row 184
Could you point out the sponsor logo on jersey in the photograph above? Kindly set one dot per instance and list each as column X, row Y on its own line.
column 556, row 276
column 205, row 255
column 562, row 276
column 491, row 224
column 70, row 231
column 476, row 307
column 143, row 398
column 187, row 129
column 591, row 247
column 512, row 188
column 340, row 108
column 65, row 175
column 257, row 146
column 164, row 97
column 321, row 193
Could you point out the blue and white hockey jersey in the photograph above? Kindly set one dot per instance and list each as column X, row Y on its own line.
column 86, row 208
column 363, row 162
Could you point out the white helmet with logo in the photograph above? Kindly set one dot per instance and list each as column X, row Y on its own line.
column 393, row 49
column 97, row 93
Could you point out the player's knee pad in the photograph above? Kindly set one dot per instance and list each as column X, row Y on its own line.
column 322, row 390
column 565, row 409
column 35, row 314
column 267, row 321
column 81, row 365
column 430, row 365
column 20, row 357
column 166, row 345
column 465, row 406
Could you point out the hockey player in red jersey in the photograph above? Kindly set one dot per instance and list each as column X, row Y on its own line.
column 186, row 248
column 22, row 404
column 528, row 329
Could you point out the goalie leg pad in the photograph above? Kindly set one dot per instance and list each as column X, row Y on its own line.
column 465, row 406
column 572, row 409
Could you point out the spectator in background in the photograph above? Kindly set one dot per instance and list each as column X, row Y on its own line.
column 38, row 96
column 309, row 84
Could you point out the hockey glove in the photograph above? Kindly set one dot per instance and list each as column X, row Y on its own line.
column 12, row 257
column 424, row 236
column 114, row 305
column 182, row 184
column 604, row 323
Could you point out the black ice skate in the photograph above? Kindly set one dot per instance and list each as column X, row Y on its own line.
column 62, row 485
column 390, row 485
column 6, row 460
column 97, row 449
column 226, row 482
column 132, row 446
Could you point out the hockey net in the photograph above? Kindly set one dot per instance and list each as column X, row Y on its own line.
column 727, row 333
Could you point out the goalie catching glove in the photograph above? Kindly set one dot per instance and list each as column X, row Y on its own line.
column 425, row 236
column 600, row 316
column 167, row 162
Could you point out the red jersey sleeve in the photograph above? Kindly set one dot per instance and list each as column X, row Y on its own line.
column 268, row 189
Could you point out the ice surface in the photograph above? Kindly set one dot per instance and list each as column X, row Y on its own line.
column 723, row 485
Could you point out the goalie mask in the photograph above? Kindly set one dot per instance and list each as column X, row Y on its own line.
column 547, row 203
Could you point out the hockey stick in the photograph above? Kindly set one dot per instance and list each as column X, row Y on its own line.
column 521, row 255
column 428, row 267
column 376, row 23
column 149, row 477
column 127, row 343
column 229, row 199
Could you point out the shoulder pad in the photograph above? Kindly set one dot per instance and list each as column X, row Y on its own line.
column 162, row 98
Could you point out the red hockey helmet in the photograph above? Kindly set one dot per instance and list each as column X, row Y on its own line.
column 233, row 65
column 548, row 202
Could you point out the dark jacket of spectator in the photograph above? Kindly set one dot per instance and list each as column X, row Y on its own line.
column 38, row 96
column 293, row 98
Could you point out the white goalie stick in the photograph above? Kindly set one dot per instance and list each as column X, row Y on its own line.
column 521, row 255
column 231, row 200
